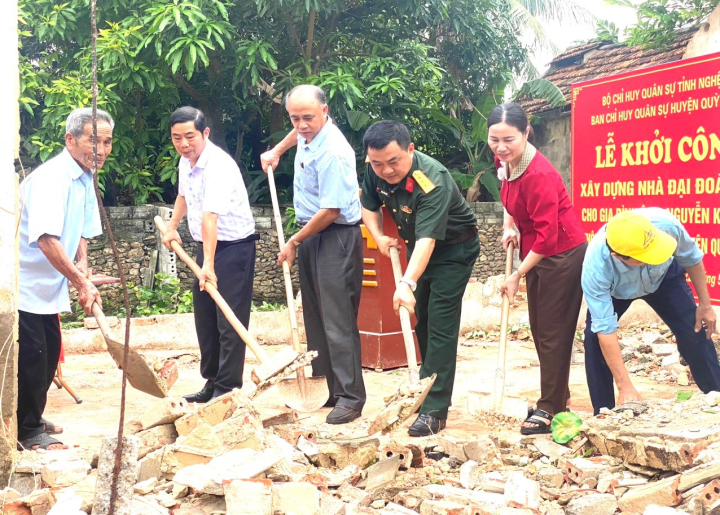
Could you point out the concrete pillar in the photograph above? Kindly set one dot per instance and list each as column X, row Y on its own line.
column 707, row 39
column 9, row 144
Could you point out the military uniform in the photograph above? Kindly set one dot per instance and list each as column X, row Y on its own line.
column 428, row 204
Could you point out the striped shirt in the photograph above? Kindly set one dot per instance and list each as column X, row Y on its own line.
column 215, row 185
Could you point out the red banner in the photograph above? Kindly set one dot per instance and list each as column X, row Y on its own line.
column 651, row 137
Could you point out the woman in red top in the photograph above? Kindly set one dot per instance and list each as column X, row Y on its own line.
column 552, row 248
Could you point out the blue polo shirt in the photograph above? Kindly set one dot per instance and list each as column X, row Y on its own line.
column 57, row 199
column 325, row 177
column 605, row 277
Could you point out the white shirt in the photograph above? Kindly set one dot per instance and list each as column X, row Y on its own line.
column 57, row 199
column 215, row 185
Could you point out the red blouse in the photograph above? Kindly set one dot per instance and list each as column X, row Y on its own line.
column 540, row 206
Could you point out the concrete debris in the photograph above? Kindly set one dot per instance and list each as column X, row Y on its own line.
column 126, row 479
column 662, row 458
column 595, row 504
column 64, row 473
column 341, row 454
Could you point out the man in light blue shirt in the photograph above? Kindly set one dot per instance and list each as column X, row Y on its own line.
column 59, row 213
column 644, row 254
column 329, row 246
column 213, row 195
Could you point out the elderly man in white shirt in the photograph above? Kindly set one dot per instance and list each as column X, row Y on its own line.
column 59, row 213
column 213, row 195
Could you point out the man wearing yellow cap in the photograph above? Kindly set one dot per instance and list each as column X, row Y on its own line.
column 644, row 254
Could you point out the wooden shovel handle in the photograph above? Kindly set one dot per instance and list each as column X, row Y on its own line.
column 502, row 347
column 215, row 294
column 405, row 322
column 101, row 320
column 285, row 266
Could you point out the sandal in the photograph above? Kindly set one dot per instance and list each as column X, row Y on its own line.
column 50, row 428
column 534, row 417
column 42, row 441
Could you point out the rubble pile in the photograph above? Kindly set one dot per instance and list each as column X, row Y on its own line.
column 654, row 354
column 224, row 458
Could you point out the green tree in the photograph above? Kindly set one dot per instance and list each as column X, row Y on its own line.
column 427, row 63
column 657, row 21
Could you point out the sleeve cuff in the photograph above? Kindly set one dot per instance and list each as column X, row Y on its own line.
column 605, row 325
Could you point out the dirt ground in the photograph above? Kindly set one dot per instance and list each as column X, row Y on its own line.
column 96, row 379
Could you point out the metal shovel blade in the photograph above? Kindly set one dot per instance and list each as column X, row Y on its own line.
column 313, row 398
column 139, row 374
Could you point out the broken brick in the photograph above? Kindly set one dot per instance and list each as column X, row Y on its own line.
column 232, row 404
column 249, row 497
column 521, row 492
column 395, row 449
column 340, row 455
column 580, row 469
column 156, row 437
column 662, row 493
column 711, row 493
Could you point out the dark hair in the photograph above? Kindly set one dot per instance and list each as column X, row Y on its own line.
column 381, row 134
column 188, row 114
column 514, row 116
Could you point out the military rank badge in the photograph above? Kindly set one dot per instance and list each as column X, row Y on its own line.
column 406, row 209
column 425, row 184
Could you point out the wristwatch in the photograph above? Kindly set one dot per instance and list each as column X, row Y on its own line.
column 520, row 274
column 409, row 282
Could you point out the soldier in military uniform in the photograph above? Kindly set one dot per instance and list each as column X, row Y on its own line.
column 440, row 232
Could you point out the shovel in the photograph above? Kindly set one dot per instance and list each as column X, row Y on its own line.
column 303, row 394
column 269, row 367
column 403, row 404
column 499, row 388
column 140, row 374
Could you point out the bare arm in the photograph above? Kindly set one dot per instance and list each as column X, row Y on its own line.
column 705, row 313
column 59, row 259
column 81, row 257
column 209, row 238
column 179, row 212
column 610, row 347
column 272, row 156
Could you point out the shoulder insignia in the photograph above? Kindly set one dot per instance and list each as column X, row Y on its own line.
column 425, row 184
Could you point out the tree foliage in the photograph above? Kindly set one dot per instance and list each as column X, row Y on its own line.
column 427, row 63
column 657, row 21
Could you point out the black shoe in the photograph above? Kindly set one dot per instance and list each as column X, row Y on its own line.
column 426, row 425
column 203, row 395
column 218, row 392
column 342, row 414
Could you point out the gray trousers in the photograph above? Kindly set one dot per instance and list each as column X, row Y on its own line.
column 331, row 271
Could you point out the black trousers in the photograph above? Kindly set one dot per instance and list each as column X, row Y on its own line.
column 38, row 354
column 674, row 303
column 331, row 271
column 222, row 351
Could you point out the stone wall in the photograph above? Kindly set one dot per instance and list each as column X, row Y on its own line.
column 492, row 257
column 137, row 244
